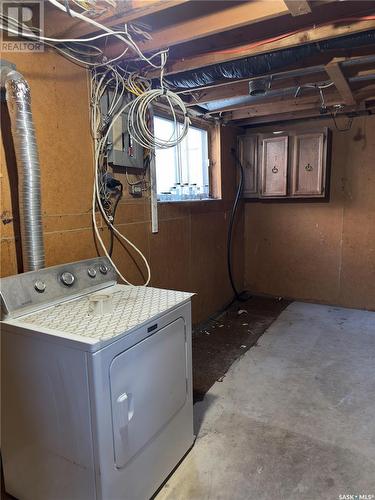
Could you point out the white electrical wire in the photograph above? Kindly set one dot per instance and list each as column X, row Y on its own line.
column 101, row 142
column 105, row 74
column 138, row 119
column 127, row 39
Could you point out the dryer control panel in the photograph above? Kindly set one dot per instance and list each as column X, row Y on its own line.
column 24, row 293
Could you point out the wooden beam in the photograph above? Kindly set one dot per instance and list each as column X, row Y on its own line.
column 295, row 115
column 336, row 75
column 366, row 72
column 285, row 106
column 298, row 7
column 365, row 93
column 59, row 24
column 233, row 17
column 238, row 89
column 316, row 34
column 293, row 106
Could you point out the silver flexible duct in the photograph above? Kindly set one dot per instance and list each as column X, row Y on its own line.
column 24, row 140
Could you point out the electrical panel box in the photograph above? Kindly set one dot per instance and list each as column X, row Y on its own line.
column 123, row 151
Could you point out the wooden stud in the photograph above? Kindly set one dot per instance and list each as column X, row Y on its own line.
column 298, row 7
column 336, row 75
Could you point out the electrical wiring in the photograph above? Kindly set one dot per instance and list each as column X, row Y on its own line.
column 318, row 86
column 123, row 36
column 99, row 84
column 138, row 123
column 97, row 201
column 138, row 119
column 347, row 127
column 125, row 90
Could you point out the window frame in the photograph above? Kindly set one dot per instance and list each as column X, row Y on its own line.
column 213, row 155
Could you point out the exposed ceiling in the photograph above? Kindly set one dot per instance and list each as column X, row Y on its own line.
column 305, row 45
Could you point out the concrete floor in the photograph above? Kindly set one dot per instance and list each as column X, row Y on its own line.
column 293, row 419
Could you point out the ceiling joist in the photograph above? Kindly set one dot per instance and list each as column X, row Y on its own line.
column 233, row 17
column 315, row 34
column 313, row 103
column 336, row 75
column 281, row 106
column 298, row 7
column 300, row 115
column 125, row 12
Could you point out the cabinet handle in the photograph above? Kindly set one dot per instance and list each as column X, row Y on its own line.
column 308, row 167
column 275, row 170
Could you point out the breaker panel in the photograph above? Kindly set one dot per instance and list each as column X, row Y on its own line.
column 123, row 151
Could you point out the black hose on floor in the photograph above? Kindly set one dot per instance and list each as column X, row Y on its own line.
column 244, row 295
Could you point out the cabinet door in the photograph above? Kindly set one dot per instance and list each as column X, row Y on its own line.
column 247, row 145
column 308, row 167
column 274, row 166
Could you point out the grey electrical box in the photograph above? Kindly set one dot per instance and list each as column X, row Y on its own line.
column 122, row 150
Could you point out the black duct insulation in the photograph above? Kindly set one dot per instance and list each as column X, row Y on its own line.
column 270, row 62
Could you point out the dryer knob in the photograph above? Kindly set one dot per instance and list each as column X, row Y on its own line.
column 103, row 269
column 91, row 271
column 39, row 286
column 67, row 278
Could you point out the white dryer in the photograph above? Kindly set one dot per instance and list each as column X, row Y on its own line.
column 94, row 406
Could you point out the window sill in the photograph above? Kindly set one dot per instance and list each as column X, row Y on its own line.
column 203, row 200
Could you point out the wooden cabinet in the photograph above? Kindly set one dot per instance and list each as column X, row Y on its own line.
column 308, row 165
column 291, row 165
column 274, row 166
column 247, row 153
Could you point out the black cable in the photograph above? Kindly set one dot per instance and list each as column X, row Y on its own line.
column 241, row 296
column 118, row 197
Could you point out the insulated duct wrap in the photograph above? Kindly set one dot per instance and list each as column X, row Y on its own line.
column 267, row 63
column 24, row 140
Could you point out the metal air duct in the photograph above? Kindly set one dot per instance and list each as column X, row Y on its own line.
column 17, row 92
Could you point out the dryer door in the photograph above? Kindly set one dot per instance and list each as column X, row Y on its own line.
column 148, row 388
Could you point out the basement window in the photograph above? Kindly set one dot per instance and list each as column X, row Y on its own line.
column 182, row 171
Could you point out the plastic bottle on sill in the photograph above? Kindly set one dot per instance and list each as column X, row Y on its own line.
column 199, row 194
column 165, row 196
column 194, row 191
column 178, row 191
column 185, row 191
column 206, row 191
column 174, row 193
